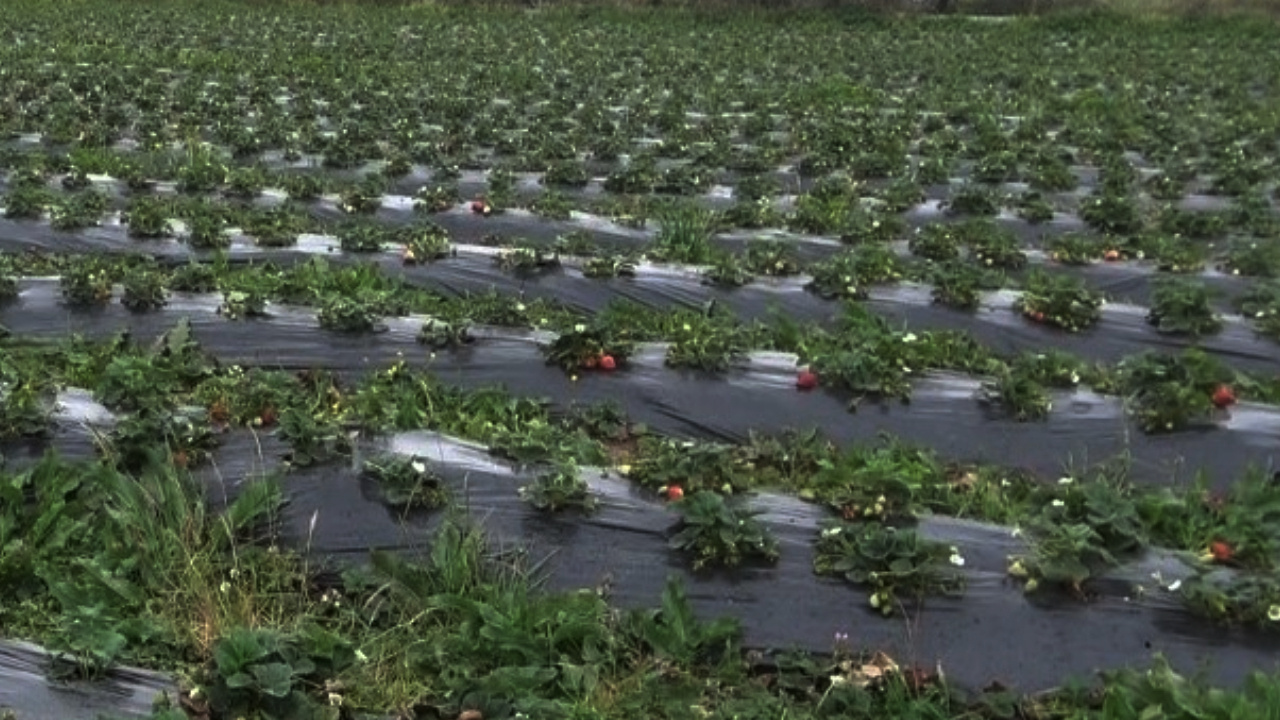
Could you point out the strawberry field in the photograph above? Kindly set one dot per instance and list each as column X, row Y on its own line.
column 485, row 364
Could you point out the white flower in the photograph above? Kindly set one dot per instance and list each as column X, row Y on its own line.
column 1273, row 613
column 579, row 328
column 909, row 338
column 419, row 466
column 1173, row 586
column 1058, row 503
column 957, row 559
column 1066, row 480
column 830, row 532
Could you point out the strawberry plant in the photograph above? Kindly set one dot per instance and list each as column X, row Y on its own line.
column 848, row 274
column 577, row 243
column 758, row 213
column 609, row 266
column 1168, row 393
column 960, row 285
column 246, row 182
column 694, row 467
column 974, row 199
column 1019, row 395
column 715, row 532
column 78, row 211
column 1034, row 207
column 1059, row 300
column 1181, row 307
column 363, row 237
column 275, row 227
column 552, row 205
column 558, row 490
column 586, row 347
column 203, row 171
column 1075, row 249
column 935, row 242
column 264, row 673
column 1253, row 257
column 994, row 246
column 8, row 288
column 860, row 225
column 26, row 407
column 727, row 271
column 302, row 187
column 1248, row 600
column 240, row 304
column 143, row 290
column 349, row 315
column 438, row 334
column 363, row 198
column 407, row 482
column 85, row 283
column 527, row 260
column 1262, row 305
column 424, row 243
column 208, row 231
column 774, row 258
column 566, row 173
column 894, row 562
column 707, row 345
column 1177, row 254
column 1086, row 529
column 312, row 439
column 147, row 217
column 1111, row 213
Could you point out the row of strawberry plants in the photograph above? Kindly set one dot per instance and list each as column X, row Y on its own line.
column 1166, row 393
column 368, row 293
column 1180, row 306
column 1178, row 239
column 873, row 488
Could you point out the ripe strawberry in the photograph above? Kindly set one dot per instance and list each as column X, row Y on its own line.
column 478, row 206
column 1224, row 396
column 607, row 362
column 1221, row 550
column 1037, row 316
column 1112, row 255
column 675, row 493
column 806, row 380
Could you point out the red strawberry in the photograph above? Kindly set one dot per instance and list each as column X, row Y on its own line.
column 480, row 207
column 806, row 380
column 1224, row 396
column 607, row 362
column 1037, row 316
column 1112, row 255
column 674, row 493
column 1221, row 550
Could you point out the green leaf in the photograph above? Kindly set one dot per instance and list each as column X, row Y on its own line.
column 274, row 679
